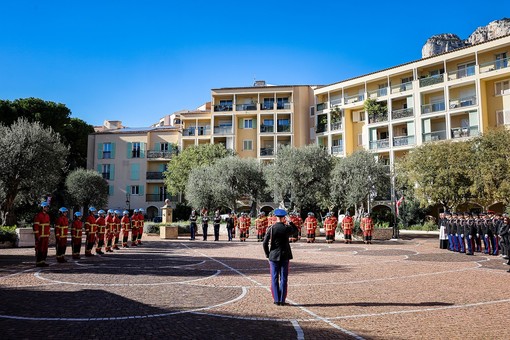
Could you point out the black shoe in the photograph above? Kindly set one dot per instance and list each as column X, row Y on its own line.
column 276, row 303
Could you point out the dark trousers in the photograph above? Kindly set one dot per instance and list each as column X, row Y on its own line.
column 229, row 233
column 279, row 277
column 204, row 231
column 192, row 229
column 216, row 232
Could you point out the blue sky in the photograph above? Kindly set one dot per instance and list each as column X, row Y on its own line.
column 136, row 61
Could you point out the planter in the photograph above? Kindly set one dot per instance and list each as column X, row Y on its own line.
column 6, row 244
column 382, row 233
column 25, row 237
column 169, row 232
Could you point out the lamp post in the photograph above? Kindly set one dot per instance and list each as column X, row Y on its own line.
column 128, row 201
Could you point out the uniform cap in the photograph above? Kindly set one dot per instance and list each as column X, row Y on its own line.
column 101, row 212
column 44, row 204
column 92, row 209
column 117, row 212
column 77, row 214
column 280, row 213
column 141, row 210
column 62, row 210
column 110, row 211
column 125, row 212
column 135, row 211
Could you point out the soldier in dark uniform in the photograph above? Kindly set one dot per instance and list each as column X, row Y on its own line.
column 486, row 233
column 230, row 226
column 469, row 233
column 205, row 225
column 448, row 225
column 193, row 224
column 216, row 225
column 493, row 229
column 478, row 240
column 455, row 235
column 460, row 231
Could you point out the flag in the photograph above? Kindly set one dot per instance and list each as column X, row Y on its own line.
column 399, row 202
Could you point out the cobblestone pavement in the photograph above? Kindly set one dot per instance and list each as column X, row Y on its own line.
column 406, row 289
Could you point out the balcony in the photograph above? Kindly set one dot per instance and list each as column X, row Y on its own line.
column 378, row 93
column 494, row 65
column 223, row 130
column 432, row 80
column 161, row 154
column 246, row 107
column 188, row 132
column 266, row 128
column 354, row 99
column 431, row 108
column 377, row 118
column 203, row 130
column 335, row 102
column 322, row 106
column 283, row 128
column 337, row 149
column 161, row 197
column 403, row 140
column 462, row 73
column 267, row 106
column 321, row 128
column 283, row 106
column 266, row 151
column 223, row 108
column 380, row 144
column 336, row 126
column 462, row 102
column 434, row 136
column 463, row 132
column 402, row 113
column 402, row 87
column 154, row 175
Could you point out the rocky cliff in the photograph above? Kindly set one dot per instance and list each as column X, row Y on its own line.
column 447, row 42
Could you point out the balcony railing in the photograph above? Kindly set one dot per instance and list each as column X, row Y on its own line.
column 283, row 128
column 161, row 154
column 154, row 175
column 161, row 197
column 354, row 99
column 380, row 144
column 403, row 140
column 322, row 106
column 462, row 73
column 321, row 128
column 246, row 107
column 378, row 118
column 462, row 132
column 334, row 102
column 402, row 113
column 221, row 108
column 434, row 107
column 462, row 102
column 378, row 93
column 267, row 106
column 188, row 132
column 266, row 128
column 336, row 149
column 203, row 130
column 336, row 126
column 266, row 151
column 402, row 87
column 432, row 80
column 494, row 65
column 434, row 136
column 283, row 106
column 223, row 130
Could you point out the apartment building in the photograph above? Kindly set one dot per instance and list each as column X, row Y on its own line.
column 455, row 95
column 133, row 161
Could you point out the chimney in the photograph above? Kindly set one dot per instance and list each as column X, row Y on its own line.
column 259, row 83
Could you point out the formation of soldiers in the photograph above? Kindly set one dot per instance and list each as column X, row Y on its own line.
column 107, row 229
column 468, row 233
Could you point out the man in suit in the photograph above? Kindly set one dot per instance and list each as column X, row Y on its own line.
column 277, row 249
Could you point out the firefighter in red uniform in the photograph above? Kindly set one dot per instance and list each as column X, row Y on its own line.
column 367, row 225
column 41, row 229
column 300, row 225
column 110, row 226
column 101, row 226
column 125, row 224
column 347, row 226
column 134, row 228
column 244, row 225
column 272, row 219
column 329, row 227
column 311, row 226
column 261, row 226
column 76, row 234
column 116, row 230
column 61, row 230
column 294, row 219
column 90, row 232
column 141, row 222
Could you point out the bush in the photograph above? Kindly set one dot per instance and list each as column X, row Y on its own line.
column 427, row 226
column 8, row 234
column 151, row 228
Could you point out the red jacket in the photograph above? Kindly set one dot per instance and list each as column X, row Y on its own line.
column 41, row 224
column 77, row 229
column 61, row 227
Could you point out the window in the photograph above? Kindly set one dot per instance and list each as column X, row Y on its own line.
column 106, row 169
column 135, row 190
column 268, row 104
column 107, row 150
column 502, row 87
column 164, row 146
column 247, row 145
column 282, row 103
column 312, row 111
column 135, row 151
column 248, row 123
column 503, row 117
column 360, row 139
column 466, row 70
column 501, row 60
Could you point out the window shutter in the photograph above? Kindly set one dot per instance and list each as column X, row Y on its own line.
column 110, row 190
column 410, row 129
column 100, row 168
column 135, row 172
column 112, row 172
column 141, row 190
column 128, row 189
column 99, row 150
column 240, row 123
column 142, row 150
column 254, row 123
column 157, row 146
column 129, row 150
column 113, row 151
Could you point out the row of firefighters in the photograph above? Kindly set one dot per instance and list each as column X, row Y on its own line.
column 106, row 230
column 263, row 222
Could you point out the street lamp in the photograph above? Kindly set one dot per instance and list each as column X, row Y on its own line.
column 128, row 200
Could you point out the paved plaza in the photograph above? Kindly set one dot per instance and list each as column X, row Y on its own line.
column 181, row 289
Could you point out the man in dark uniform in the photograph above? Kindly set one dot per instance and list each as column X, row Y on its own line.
column 205, row 225
column 216, row 225
column 231, row 224
column 478, row 240
column 193, row 224
column 469, row 233
column 277, row 249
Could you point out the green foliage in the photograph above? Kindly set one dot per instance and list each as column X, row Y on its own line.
column 8, row 234
column 427, row 226
column 180, row 166
column 86, row 188
column 151, row 228
column 300, row 175
column 33, row 162
column 181, row 212
column 75, row 134
column 410, row 212
column 375, row 108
